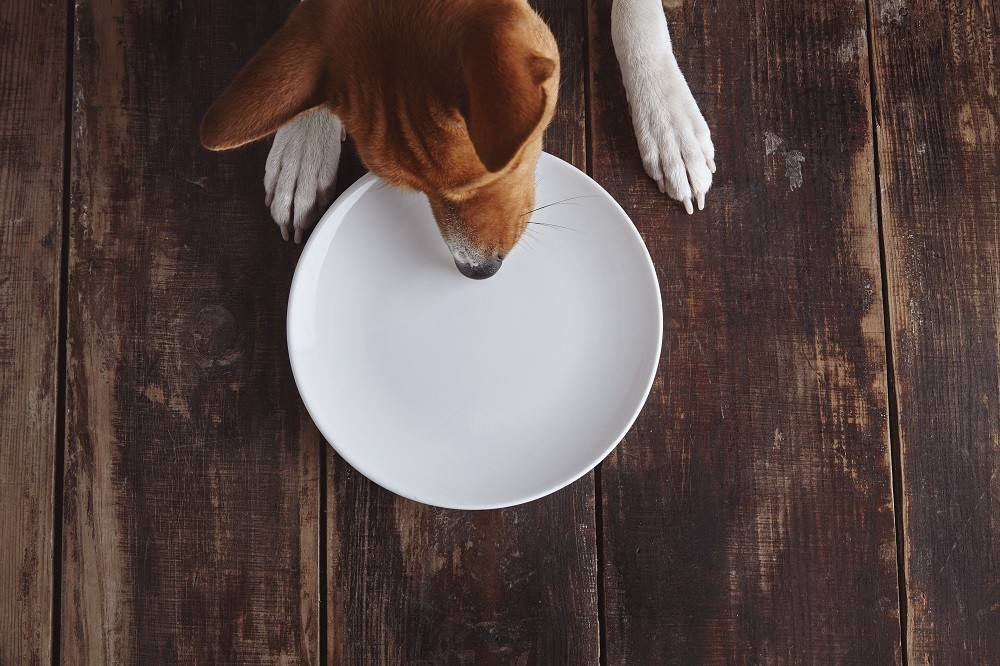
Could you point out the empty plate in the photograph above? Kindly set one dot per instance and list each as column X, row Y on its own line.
column 475, row 394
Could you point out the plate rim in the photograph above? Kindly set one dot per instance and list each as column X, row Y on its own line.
column 364, row 183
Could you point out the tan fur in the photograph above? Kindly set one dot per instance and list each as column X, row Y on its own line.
column 449, row 97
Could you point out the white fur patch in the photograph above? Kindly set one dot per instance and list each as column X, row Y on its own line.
column 463, row 251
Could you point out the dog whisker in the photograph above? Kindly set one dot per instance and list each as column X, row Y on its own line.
column 529, row 233
column 524, row 243
column 554, row 226
column 562, row 201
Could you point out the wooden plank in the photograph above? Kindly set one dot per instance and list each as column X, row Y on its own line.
column 192, row 470
column 939, row 148
column 409, row 583
column 32, row 83
column 748, row 515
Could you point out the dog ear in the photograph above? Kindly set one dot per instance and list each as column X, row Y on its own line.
column 281, row 81
column 504, row 81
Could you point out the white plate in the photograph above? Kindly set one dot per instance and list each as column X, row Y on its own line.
column 475, row 394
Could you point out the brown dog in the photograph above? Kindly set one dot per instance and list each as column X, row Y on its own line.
column 448, row 97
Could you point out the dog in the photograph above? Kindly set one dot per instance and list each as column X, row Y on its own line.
column 448, row 97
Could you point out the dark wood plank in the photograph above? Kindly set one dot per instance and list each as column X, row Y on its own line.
column 939, row 148
column 409, row 583
column 192, row 470
column 748, row 515
column 32, row 81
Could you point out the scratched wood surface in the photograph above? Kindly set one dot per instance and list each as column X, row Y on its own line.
column 748, row 516
column 409, row 583
column 939, row 146
column 192, row 469
column 32, row 81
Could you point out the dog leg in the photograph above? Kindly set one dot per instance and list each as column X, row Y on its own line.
column 301, row 171
column 674, row 140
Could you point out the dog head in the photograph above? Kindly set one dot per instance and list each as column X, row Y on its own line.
column 445, row 97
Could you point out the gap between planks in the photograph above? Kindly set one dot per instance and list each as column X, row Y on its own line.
column 62, row 350
column 895, row 453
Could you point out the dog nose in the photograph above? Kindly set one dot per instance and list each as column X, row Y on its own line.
column 480, row 270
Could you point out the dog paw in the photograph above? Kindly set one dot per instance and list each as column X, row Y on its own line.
column 674, row 139
column 301, row 172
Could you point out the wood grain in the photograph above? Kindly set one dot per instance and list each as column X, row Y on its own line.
column 32, row 82
column 748, row 515
column 939, row 147
column 409, row 583
column 192, row 471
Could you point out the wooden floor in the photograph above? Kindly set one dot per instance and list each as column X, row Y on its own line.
column 815, row 475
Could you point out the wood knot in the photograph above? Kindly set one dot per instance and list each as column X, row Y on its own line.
column 216, row 335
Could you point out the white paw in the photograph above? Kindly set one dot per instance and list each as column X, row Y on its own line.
column 674, row 139
column 301, row 171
